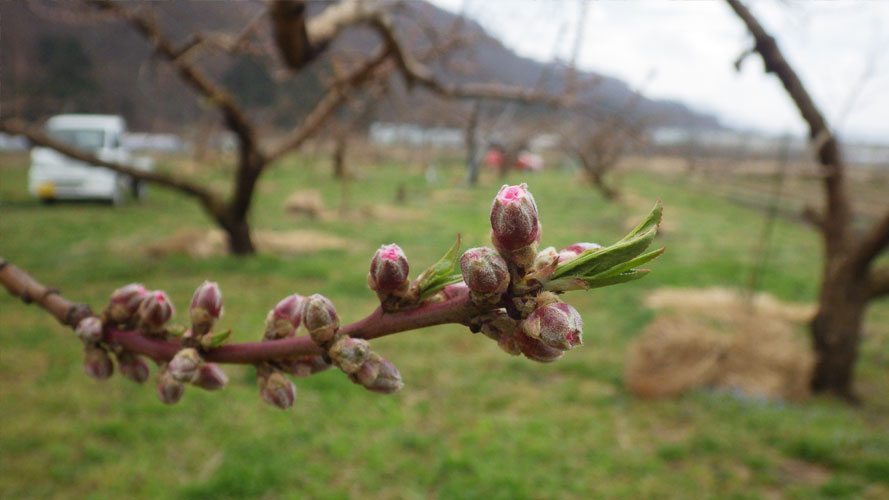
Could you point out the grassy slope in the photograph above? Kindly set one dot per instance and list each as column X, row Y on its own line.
column 471, row 423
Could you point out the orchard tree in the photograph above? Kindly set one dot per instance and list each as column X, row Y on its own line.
column 850, row 278
column 298, row 40
column 510, row 292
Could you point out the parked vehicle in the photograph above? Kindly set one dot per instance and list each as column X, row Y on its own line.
column 55, row 176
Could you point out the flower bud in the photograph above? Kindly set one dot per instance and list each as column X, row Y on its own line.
column 573, row 251
column 536, row 350
column 155, row 310
column 321, row 319
column 97, row 363
column 89, row 330
column 284, row 319
column 557, row 325
column 368, row 372
column 169, row 390
column 388, row 269
column 133, row 367
column 349, row 354
column 206, row 307
column 125, row 301
column 388, row 380
column 276, row 389
column 210, row 377
column 484, row 270
column 185, row 365
column 498, row 323
column 514, row 218
column 509, row 343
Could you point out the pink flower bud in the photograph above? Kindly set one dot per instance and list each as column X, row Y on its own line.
column 509, row 343
column 284, row 319
column 206, row 307
column 536, row 350
column 484, row 270
column 514, row 218
column 89, row 330
column 388, row 269
column 388, row 379
column 349, row 354
column 155, row 309
column 321, row 319
column 557, row 325
column 133, row 367
column 211, row 377
column 125, row 301
column 185, row 365
column 276, row 389
column 572, row 251
column 290, row 309
column 97, row 363
column 169, row 390
column 129, row 296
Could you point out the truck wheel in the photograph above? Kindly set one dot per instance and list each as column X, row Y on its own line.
column 138, row 189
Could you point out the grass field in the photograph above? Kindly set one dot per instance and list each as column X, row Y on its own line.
column 472, row 422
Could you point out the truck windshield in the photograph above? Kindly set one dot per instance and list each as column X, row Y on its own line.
column 83, row 139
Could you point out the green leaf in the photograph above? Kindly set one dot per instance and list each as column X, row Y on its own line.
column 630, row 264
column 215, row 339
column 440, row 274
column 593, row 262
column 624, row 277
column 438, row 285
column 651, row 220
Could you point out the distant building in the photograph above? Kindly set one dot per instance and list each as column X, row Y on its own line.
column 408, row 134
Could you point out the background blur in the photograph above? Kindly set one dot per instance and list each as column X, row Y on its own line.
column 692, row 383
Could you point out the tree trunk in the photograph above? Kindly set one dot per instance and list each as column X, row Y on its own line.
column 836, row 331
column 240, row 242
column 339, row 156
column 610, row 193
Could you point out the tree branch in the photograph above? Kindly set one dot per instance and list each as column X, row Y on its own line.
column 875, row 241
column 878, row 283
column 206, row 197
column 235, row 118
column 838, row 213
column 334, row 95
column 456, row 309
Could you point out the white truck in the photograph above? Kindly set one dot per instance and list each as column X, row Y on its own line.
column 55, row 176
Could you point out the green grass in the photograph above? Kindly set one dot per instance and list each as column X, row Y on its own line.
column 471, row 422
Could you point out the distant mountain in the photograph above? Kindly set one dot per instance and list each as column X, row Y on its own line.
column 60, row 60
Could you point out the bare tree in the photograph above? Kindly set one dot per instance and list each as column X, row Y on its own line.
column 850, row 278
column 299, row 39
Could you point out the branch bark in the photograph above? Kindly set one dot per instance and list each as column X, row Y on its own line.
column 838, row 214
column 878, row 283
column 456, row 309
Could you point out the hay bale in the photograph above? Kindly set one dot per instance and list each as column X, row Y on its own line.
column 306, row 202
column 674, row 355
column 711, row 338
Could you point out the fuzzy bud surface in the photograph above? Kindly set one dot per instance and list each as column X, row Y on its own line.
column 277, row 390
column 484, row 270
column 557, row 325
column 185, row 365
column 388, row 269
column 514, row 218
column 349, row 354
column 89, row 330
column 321, row 319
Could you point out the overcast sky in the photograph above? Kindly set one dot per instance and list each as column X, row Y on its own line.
column 840, row 49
